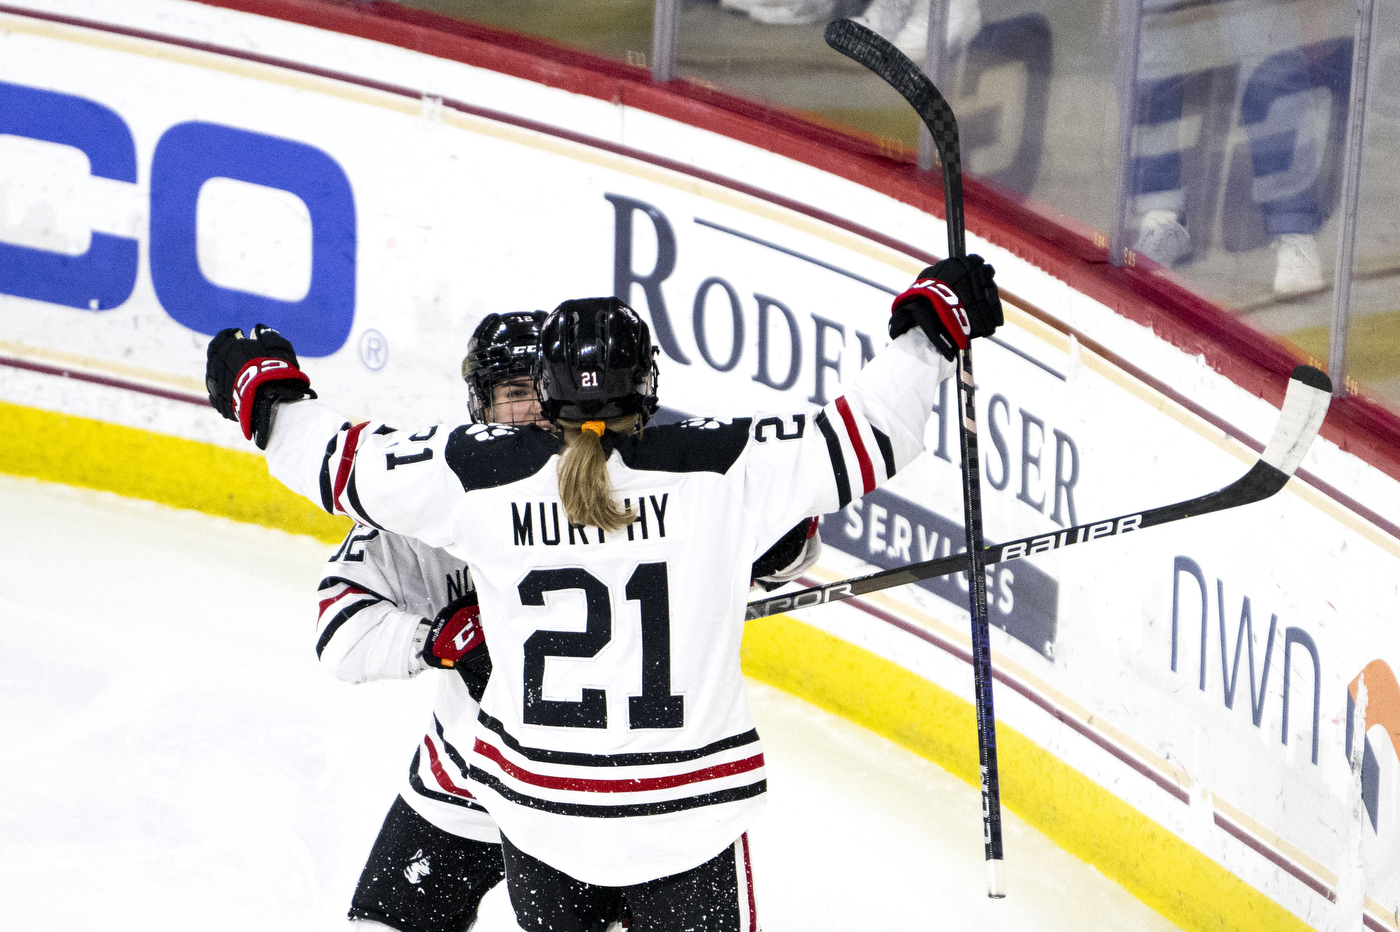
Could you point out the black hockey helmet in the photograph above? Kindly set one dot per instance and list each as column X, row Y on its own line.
column 596, row 362
column 503, row 346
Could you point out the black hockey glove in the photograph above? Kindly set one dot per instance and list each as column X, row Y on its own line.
column 475, row 670
column 454, row 633
column 952, row 302
column 789, row 558
column 247, row 376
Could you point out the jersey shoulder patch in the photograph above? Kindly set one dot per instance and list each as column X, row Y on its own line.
column 486, row 456
column 700, row 444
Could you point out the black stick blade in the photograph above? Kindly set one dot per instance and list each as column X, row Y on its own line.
column 874, row 52
column 877, row 54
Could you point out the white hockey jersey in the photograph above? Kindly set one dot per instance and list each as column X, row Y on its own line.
column 379, row 590
column 614, row 738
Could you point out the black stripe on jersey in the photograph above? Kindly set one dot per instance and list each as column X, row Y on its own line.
column 335, row 580
column 627, row 810
column 355, row 502
column 882, row 440
column 327, row 501
column 685, row 447
column 383, row 429
column 348, row 613
column 838, row 459
column 543, row 755
column 447, row 746
column 421, row 788
column 490, row 456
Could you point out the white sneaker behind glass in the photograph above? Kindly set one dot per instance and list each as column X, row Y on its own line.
column 964, row 22
column 743, row 6
column 1162, row 238
column 794, row 12
column 889, row 17
column 1299, row 268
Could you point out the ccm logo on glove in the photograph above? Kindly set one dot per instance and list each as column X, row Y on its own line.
column 951, row 302
column 247, row 376
column 953, row 307
column 245, row 387
column 455, row 633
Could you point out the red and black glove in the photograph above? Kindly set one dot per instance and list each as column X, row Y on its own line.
column 790, row 557
column 247, row 376
column 475, row 670
column 952, row 302
column 454, row 633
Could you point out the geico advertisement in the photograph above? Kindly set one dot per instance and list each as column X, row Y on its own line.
column 153, row 195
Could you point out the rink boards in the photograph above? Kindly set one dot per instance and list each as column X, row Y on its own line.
column 1177, row 707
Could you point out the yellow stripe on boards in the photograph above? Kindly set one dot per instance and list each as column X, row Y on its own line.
column 157, row 467
column 1079, row 815
column 1076, row 813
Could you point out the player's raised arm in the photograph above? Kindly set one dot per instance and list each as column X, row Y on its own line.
column 381, row 477
column 804, row 464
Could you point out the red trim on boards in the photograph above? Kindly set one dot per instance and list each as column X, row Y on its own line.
column 841, row 223
column 1269, row 854
column 1103, row 742
column 1015, row 685
column 1061, row 246
column 109, row 381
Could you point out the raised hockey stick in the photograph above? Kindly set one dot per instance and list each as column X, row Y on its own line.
column 880, row 56
column 1304, row 407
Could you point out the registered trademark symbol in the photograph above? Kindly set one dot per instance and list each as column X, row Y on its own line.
column 374, row 350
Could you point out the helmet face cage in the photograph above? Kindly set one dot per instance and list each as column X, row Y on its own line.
column 503, row 347
column 596, row 362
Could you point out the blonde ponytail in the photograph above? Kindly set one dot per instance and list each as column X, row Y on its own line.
column 584, row 485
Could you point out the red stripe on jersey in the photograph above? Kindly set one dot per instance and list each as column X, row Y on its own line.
column 867, row 471
column 347, row 458
column 440, row 772
column 748, row 882
column 348, row 590
column 634, row 785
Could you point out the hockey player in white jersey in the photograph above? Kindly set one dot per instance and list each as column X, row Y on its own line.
column 615, row 748
column 390, row 607
column 438, row 851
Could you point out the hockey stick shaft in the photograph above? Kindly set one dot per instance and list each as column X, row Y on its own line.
column 881, row 57
column 1256, row 485
column 1305, row 406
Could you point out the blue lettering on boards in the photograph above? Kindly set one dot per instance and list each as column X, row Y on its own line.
column 188, row 155
column 102, row 277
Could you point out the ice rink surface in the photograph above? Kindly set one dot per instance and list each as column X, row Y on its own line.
column 172, row 757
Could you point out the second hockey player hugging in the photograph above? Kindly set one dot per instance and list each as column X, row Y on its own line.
column 614, row 746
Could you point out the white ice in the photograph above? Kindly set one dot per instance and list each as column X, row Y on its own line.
column 172, row 757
